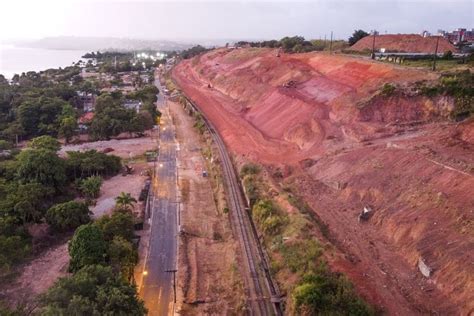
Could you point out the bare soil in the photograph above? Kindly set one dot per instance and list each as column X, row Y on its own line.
column 208, row 270
column 409, row 43
column 319, row 123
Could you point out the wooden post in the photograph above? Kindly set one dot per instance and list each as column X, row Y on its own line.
column 330, row 44
column 373, row 46
column 435, row 54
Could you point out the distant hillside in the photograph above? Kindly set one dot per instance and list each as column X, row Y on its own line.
column 104, row 43
column 406, row 43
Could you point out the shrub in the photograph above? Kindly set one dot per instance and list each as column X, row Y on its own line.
column 267, row 217
column 90, row 187
column 68, row 215
column 122, row 257
column 12, row 249
column 328, row 293
column 119, row 224
column 302, row 255
column 249, row 169
column 87, row 247
column 388, row 89
column 251, row 189
column 93, row 290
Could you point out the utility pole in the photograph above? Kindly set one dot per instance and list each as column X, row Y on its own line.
column 373, row 46
column 436, row 53
column 330, row 44
column 174, row 282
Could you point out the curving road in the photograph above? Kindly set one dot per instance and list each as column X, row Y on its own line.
column 157, row 285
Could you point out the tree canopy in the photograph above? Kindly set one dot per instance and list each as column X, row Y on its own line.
column 68, row 215
column 87, row 247
column 93, row 290
column 356, row 36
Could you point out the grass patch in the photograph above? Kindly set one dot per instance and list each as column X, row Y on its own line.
column 458, row 85
column 199, row 124
column 387, row 89
column 249, row 169
column 268, row 217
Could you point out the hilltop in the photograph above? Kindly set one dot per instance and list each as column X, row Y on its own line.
column 404, row 43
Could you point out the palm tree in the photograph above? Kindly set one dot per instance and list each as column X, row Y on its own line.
column 125, row 200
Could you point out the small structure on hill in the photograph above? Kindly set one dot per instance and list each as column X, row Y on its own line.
column 424, row 268
column 365, row 214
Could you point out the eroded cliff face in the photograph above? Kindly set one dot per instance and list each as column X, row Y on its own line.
column 394, row 152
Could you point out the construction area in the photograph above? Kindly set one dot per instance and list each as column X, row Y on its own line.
column 388, row 175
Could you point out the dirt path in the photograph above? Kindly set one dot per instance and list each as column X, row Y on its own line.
column 207, row 273
column 38, row 275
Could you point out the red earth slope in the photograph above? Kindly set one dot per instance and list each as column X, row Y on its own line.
column 404, row 43
column 323, row 121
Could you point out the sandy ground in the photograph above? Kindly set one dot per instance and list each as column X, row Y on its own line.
column 124, row 148
column 208, row 270
column 38, row 275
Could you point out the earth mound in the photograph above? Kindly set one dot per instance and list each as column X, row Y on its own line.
column 404, row 43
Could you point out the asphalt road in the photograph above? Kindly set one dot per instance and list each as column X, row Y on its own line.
column 157, row 286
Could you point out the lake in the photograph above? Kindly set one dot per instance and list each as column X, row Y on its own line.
column 15, row 60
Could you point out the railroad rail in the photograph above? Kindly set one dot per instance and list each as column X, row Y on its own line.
column 262, row 293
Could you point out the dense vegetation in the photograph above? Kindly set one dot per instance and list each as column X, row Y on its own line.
column 36, row 104
column 356, row 36
column 103, row 258
column 460, row 86
column 112, row 118
column 93, row 290
column 37, row 185
column 297, row 44
column 193, row 51
column 318, row 290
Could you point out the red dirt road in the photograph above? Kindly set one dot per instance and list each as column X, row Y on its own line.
column 322, row 120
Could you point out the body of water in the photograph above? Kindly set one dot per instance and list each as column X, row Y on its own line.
column 15, row 60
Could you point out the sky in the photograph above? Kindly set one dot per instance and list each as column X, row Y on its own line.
column 193, row 20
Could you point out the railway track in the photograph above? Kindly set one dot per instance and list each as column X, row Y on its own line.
column 263, row 297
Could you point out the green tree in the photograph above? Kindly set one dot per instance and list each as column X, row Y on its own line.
column 68, row 128
column 90, row 187
column 41, row 166
column 93, row 290
column 125, row 200
column 12, row 249
column 356, row 36
column 39, row 116
column 26, row 202
column 87, row 247
column 122, row 257
column 91, row 162
column 68, row 215
column 120, row 223
column 45, row 142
